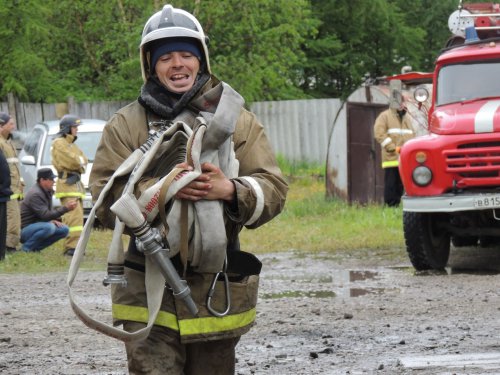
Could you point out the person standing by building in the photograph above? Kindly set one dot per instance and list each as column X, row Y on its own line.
column 8, row 148
column 41, row 225
column 178, row 85
column 70, row 162
column 5, row 194
column 392, row 129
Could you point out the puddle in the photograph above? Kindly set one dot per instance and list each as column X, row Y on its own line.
column 362, row 275
column 343, row 283
column 358, row 292
column 299, row 293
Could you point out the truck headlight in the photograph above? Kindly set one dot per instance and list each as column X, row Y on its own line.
column 421, row 94
column 422, row 175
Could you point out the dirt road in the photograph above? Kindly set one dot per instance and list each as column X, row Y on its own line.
column 357, row 314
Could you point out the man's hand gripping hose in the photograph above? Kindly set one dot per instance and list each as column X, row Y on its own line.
column 127, row 210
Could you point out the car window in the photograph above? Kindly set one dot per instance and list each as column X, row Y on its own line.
column 31, row 143
column 87, row 142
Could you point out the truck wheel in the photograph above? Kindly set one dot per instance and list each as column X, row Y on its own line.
column 427, row 244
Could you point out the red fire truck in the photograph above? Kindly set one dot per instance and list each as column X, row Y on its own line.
column 452, row 175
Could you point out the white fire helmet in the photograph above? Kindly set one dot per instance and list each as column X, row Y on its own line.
column 171, row 22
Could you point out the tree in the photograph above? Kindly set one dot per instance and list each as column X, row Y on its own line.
column 255, row 45
column 91, row 51
column 356, row 38
column 23, row 69
column 431, row 16
column 266, row 49
column 96, row 47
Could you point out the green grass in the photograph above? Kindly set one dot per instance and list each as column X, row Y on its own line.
column 309, row 223
column 299, row 168
column 52, row 259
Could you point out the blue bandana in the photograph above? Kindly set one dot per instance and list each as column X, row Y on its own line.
column 174, row 45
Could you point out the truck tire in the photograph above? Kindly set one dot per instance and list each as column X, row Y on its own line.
column 427, row 244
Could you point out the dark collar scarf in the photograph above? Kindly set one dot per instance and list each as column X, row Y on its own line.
column 157, row 99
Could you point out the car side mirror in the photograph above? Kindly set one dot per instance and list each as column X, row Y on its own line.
column 28, row 159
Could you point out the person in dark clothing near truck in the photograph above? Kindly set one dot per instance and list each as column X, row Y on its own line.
column 5, row 194
column 40, row 222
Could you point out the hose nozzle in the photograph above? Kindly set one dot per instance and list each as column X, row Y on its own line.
column 116, row 275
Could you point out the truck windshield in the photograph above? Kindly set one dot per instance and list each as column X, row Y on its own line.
column 461, row 82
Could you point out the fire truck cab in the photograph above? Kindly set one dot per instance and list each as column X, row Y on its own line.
column 452, row 175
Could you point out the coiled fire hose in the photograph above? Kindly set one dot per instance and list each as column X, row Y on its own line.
column 137, row 162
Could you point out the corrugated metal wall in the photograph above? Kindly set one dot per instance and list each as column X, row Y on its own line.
column 299, row 130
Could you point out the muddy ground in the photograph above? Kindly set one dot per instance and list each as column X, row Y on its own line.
column 317, row 314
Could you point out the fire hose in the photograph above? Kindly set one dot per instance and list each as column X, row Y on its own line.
column 135, row 164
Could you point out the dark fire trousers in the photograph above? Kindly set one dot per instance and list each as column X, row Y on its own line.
column 3, row 228
column 162, row 353
column 393, row 187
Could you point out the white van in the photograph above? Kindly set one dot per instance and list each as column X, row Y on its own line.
column 35, row 153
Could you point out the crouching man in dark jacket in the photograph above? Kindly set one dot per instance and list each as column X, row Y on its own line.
column 40, row 223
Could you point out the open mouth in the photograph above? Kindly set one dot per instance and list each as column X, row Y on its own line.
column 179, row 77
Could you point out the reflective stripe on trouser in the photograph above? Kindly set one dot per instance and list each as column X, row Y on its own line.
column 130, row 304
column 74, row 220
column 195, row 326
column 390, row 164
column 13, row 223
column 163, row 353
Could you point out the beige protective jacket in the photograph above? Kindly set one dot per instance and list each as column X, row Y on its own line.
column 391, row 132
column 68, row 159
column 10, row 153
column 260, row 191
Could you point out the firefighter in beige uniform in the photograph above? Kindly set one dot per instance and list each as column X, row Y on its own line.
column 392, row 129
column 70, row 163
column 7, row 126
column 176, row 71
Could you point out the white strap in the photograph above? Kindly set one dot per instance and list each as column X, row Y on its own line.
column 137, row 161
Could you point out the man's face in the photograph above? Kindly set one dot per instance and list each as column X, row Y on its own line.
column 7, row 128
column 47, row 184
column 177, row 71
column 74, row 130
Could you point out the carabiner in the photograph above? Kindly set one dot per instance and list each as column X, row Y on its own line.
column 211, row 292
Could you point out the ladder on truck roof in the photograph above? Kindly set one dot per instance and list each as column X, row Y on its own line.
column 475, row 21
